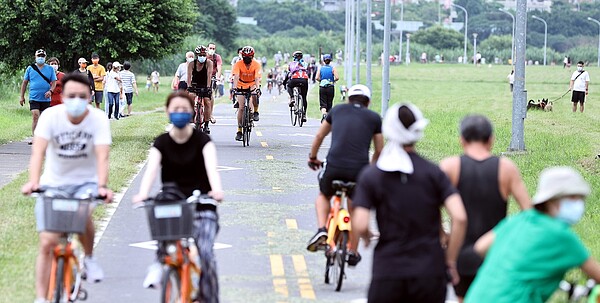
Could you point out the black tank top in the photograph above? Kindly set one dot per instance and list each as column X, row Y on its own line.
column 199, row 77
column 479, row 188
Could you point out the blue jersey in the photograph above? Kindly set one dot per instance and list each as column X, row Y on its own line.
column 327, row 74
column 37, row 85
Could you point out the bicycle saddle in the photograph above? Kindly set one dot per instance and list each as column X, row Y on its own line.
column 339, row 184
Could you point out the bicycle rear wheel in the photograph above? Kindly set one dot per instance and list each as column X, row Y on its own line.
column 59, row 280
column 199, row 113
column 171, row 286
column 246, row 126
column 340, row 257
column 301, row 110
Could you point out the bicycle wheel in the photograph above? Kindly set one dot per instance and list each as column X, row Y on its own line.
column 198, row 114
column 171, row 286
column 301, row 110
column 340, row 257
column 246, row 125
column 293, row 115
column 59, row 277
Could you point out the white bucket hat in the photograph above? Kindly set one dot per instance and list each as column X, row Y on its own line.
column 559, row 182
column 117, row 64
column 359, row 90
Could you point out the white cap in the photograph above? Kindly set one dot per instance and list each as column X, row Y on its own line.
column 559, row 182
column 359, row 90
column 82, row 60
column 117, row 64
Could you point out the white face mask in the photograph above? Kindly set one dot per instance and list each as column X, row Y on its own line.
column 55, row 67
column 570, row 210
column 189, row 59
column 579, row 68
column 210, row 51
column 75, row 106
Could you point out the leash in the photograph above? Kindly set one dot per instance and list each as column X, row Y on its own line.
column 560, row 96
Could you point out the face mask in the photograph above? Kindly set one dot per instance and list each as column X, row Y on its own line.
column 180, row 120
column 570, row 210
column 55, row 67
column 189, row 59
column 247, row 60
column 40, row 60
column 75, row 106
column 579, row 68
column 201, row 59
column 211, row 52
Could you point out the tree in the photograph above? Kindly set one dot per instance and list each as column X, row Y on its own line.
column 217, row 20
column 69, row 29
column 438, row 37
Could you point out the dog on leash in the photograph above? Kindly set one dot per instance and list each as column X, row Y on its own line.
column 541, row 104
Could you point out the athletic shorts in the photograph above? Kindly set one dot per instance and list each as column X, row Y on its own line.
column 578, row 97
column 41, row 106
column 98, row 96
column 413, row 290
column 329, row 173
column 129, row 98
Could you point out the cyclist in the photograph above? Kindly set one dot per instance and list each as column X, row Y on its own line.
column 353, row 126
column 217, row 71
column 326, row 75
column 270, row 79
column 246, row 78
column 75, row 139
column 198, row 76
column 298, row 77
column 187, row 158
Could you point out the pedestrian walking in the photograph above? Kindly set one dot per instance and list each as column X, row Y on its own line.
column 83, row 70
column 129, row 85
column 55, row 99
column 511, row 79
column 580, row 80
column 155, row 75
column 180, row 79
column 114, row 89
column 98, row 72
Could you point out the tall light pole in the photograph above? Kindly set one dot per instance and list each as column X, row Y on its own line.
column 385, row 83
column 407, row 59
column 401, row 30
column 519, row 108
column 475, row 49
column 357, row 45
column 512, row 45
column 466, row 29
column 347, row 44
column 545, row 34
column 369, row 49
column 597, row 22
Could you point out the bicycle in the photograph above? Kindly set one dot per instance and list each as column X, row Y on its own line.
column 280, row 85
column 200, row 93
column 297, row 110
column 67, row 216
column 338, row 234
column 270, row 85
column 247, row 119
column 171, row 224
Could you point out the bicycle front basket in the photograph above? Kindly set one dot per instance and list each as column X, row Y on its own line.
column 65, row 215
column 170, row 221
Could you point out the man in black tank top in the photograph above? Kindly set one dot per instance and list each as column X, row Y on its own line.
column 484, row 182
column 199, row 76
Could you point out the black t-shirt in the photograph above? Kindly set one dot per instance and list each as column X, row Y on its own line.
column 183, row 164
column 408, row 216
column 352, row 130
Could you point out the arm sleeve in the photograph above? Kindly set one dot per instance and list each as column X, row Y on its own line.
column 27, row 71
column 575, row 250
column 363, row 194
column 102, row 72
column 53, row 75
column 102, row 135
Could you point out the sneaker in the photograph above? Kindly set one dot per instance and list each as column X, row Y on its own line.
column 213, row 120
column 153, row 276
column 318, row 239
column 93, row 271
column 255, row 117
column 236, row 105
column 40, row 300
column 238, row 136
column 353, row 258
column 206, row 130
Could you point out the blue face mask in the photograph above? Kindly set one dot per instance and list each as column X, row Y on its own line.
column 180, row 120
column 40, row 60
column 570, row 210
column 201, row 59
column 75, row 106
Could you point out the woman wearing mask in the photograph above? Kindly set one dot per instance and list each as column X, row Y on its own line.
column 198, row 76
column 187, row 158
column 529, row 253
column 55, row 99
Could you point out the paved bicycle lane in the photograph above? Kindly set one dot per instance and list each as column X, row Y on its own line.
column 265, row 221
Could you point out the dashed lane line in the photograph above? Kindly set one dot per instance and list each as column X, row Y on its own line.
column 279, row 282
column 291, row 223
column 306, row 289
column 269, row 157
column 258, row 134
column 264, row 144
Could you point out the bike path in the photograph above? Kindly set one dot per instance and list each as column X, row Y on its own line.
column 14, row 159
column 266, row 218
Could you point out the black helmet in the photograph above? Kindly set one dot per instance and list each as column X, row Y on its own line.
column 297, row 55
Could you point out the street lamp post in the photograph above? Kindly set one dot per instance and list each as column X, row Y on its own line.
column 597, row 22
column 401, row 30
column 466, row 29
column 407, row 57
column 545, row 34
column 475, row 49
column 512, row 45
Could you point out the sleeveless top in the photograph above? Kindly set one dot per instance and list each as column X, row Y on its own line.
column 298, row 70
column 199, row 77
column 479, row 188
column 327, row 74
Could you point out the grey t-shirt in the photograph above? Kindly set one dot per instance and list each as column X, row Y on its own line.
column 182, row 72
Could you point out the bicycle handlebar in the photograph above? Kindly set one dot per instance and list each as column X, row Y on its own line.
column 40, row 191
column 198, row 199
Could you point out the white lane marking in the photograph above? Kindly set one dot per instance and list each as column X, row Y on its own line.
column 227, row 168
column 152, row 245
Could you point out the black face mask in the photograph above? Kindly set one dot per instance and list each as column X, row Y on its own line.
column 247, row 60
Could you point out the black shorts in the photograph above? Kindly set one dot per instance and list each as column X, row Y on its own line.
column 129, row 98
column 578, row 97
column 461, row 288
column 409, row 290
column 36, row 105
column 330, row 173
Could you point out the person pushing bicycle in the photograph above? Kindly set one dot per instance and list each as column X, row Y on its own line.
column 74, row 138
column 353, row 126
column 246, row 78
column 198, row 76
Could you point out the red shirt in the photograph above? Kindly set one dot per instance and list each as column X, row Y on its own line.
column 56, row 99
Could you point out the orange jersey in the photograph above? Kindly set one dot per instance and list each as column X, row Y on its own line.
column 247, row 75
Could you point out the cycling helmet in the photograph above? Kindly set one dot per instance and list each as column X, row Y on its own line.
column 327, row 57
column 200, row 49
column 247, row 51
column 298, row 55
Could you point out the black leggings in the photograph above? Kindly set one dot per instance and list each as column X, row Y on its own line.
column 326, row 95
column 409, row 290
column 303, row 85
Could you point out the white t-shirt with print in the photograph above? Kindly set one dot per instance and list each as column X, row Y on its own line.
column 579, row 84
column 70, row 156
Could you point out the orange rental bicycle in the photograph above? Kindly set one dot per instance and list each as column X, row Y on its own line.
column 66, row 216
column 338, row 234
column 171, row 224
column 200, row 94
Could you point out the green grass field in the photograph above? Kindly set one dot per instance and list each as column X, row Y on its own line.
column 445, row 93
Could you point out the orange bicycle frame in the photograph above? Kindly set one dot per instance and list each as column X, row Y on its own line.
column 65, row 251
column 185, row 268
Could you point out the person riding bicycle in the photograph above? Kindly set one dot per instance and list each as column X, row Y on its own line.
column 198, row 77
column 326, row 75
column 353, row 126
column 298, row 77
column 271, row 79
column 188, row 159
column 217, row 72
column 246, row 78
column 74, row 138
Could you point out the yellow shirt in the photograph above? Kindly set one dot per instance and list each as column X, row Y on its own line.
column 97, row 71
